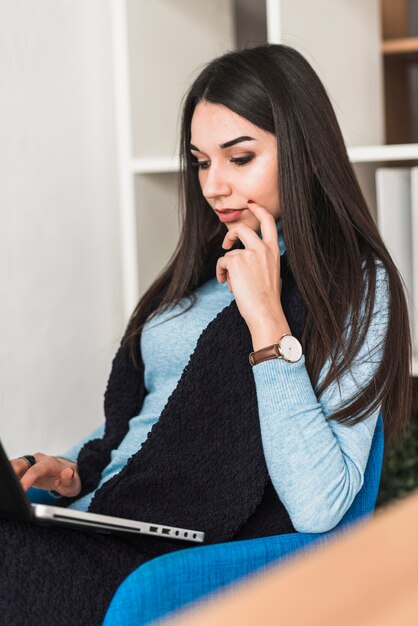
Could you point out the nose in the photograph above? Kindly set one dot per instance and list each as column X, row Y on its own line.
column 214, row 183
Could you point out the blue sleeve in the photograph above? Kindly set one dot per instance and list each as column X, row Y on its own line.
column 73, row 452
column 316, row 464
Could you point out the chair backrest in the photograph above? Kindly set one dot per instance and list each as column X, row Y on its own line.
column 365, row 501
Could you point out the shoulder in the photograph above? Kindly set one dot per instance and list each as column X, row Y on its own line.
column 382, row 277
column 382, row 290
column 372, row 335
column 376, row 331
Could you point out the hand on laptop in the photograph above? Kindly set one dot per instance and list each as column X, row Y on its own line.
column 49, row 472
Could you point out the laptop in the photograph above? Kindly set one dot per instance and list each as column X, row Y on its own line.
column 15, row 505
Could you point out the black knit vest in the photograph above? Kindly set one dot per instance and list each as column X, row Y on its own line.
column 202, row 465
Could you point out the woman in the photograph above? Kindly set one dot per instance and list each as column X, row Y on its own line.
column 208, row 425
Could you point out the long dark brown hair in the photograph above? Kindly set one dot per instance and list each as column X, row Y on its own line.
column 332, row 241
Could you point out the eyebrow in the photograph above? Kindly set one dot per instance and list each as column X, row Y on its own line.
column 227, row 144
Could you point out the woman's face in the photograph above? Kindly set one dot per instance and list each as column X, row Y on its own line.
column 237, row 162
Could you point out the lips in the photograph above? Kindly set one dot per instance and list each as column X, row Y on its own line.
column 229, row 215
column 228, row 210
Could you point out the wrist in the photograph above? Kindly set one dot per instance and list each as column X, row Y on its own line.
column 287, row 347
column 268, row 331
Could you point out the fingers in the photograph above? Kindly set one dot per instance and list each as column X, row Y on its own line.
column 66, row 477
column 55, row 474
column 248, row 237
column 19, row 466
column 267, row 223
column 69, row 483
column 33, row 474
column 222, row 267
column 221, row 270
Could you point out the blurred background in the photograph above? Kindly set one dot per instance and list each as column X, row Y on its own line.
column 89, row 119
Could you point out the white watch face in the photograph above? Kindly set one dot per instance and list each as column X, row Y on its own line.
column 290, row 349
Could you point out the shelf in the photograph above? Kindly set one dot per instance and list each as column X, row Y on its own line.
column 395, row 152
column 155, row 165
column 357, row 154
column 400, row 46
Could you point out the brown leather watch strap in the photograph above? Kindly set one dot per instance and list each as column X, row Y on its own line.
column 265, row 354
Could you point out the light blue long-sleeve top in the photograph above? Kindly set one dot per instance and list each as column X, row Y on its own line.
column 316, row 464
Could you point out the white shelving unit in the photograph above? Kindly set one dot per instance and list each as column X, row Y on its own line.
column 380, row 154
column 155, row 165
column 182, row 35
column 357, row 155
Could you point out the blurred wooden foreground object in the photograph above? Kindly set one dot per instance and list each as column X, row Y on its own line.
column 369, row 577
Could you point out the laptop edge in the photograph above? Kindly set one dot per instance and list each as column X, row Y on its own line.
column 15, row 505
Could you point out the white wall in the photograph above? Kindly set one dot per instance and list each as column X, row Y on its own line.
column 60, row 274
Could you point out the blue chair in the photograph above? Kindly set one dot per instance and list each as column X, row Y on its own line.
column 170, row 582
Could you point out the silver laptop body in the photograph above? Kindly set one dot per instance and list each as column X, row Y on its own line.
column 15, row 504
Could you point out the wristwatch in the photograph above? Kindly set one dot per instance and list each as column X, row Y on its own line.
column 287, row 348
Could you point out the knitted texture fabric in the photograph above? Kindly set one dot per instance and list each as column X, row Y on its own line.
column 52, row 576
column 202, row 467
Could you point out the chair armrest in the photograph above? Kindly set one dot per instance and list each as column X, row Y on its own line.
column 174, row 580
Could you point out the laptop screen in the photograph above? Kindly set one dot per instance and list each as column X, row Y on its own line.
column 14, row 503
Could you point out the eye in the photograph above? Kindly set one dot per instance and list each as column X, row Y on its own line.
column 242, row 160
column 201, row 164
